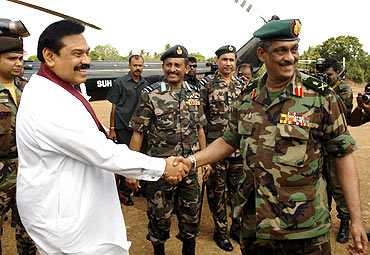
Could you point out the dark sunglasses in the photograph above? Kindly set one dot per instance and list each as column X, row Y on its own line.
column 193, row 66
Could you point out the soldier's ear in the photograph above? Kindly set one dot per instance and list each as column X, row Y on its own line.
column 261, row 54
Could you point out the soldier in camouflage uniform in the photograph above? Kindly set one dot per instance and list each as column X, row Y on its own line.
column 282, row 123
column 171, row 113
column 334, row 188
column 11, row 63
column 218, row 93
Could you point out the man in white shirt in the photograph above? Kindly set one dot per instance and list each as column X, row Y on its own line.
column 66, row 189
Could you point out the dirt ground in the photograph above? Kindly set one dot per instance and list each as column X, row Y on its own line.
column 136, row 220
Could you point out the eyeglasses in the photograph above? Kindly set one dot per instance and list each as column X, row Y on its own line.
column 193, row 66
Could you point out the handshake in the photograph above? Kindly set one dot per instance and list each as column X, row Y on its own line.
column 176, row 169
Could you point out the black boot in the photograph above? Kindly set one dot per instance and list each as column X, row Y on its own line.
column 188, row 247
column 158, row 249
column 343, row 234
column 222, row 241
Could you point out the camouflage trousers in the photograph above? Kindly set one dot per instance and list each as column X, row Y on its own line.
column 250, row 245
column 8, row 176
column 225, row 174
column 163, row 199
column 335, row 190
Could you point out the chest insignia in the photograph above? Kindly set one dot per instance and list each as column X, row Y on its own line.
column 293, row 118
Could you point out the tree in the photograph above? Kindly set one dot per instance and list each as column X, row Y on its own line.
column 349, row 47
column 33, row 57
column 199, row 57
column 105, row 52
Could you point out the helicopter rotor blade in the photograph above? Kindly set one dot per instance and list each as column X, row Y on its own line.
column 54, row 13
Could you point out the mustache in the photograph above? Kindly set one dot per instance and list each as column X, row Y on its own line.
column 83, row 66
column 137, row 71
column 287, row 63
column 169, row 73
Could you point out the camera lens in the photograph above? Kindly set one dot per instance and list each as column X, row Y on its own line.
column 366, row 98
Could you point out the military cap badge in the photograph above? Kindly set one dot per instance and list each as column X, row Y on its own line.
column 296, row 27
column 179, row 50
column 231, row 48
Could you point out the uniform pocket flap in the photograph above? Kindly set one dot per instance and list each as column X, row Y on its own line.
column 293, row 131
column 296, row 194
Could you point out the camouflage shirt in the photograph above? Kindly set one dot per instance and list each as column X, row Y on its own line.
column 171, row 119
column 8, row 111
column 282, row 143
column 217, row 99
column 346, row 94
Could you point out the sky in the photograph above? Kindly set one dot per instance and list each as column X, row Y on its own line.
column 200, row 25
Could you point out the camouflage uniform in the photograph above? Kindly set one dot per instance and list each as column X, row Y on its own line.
column 171, row 119
column 217, row 99
column 8, row 166
column 334, row 187
column 282, row 143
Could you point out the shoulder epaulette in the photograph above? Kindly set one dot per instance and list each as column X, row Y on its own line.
column 151, row 87
column 316, row 84
column 194, row 87
column 240, row 80
column 205, row 80
column 250, row 86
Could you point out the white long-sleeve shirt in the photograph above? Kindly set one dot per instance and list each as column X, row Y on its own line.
column 66, row 191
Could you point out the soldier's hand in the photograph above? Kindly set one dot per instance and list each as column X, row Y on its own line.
column 185, row 161
column 132, row 184
column 112, row 135
column 206, row 171
column 360, row 242
column 172, row 171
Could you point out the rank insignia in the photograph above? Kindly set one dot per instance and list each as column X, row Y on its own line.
column 293, row 118
column 179, row 50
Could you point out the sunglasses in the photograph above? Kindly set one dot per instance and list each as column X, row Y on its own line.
column 193, row 66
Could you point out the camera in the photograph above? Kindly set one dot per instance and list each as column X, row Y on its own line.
column 320, row 71
column 366, row 96
column 13, row 28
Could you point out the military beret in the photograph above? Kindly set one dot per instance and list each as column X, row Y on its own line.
column 279, row 30
column 11, row 44
column 225, row 49
column 177, row 51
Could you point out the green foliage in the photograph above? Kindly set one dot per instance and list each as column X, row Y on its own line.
column 105, row 52
column 355, row 72
column 199, row 57
column 349, row 47
column 33, row 57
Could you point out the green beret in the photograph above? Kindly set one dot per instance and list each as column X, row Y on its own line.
column 11, row 44
column 177, row 51
column 279, row 30
column 225, row 49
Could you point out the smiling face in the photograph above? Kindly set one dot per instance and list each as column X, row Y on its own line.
column 174, row 70
column 11, row 65
column 73, row 60
column 281, row 60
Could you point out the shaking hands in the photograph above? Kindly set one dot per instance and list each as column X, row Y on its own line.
column 175, row 172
